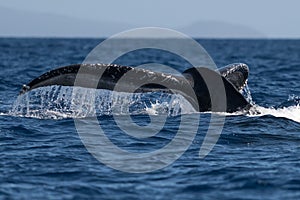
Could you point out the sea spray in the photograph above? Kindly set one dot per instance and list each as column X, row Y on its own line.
column 57, row 102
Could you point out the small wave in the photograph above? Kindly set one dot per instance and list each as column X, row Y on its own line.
column 289, row 109
column 291, row 112
column 3, row 114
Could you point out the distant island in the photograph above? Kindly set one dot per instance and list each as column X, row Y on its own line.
column 15, row 23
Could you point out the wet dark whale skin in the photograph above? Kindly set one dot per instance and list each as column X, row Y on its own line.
column 233, row 77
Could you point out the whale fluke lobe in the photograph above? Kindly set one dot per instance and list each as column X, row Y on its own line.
column 202, row 87
column 237, row 74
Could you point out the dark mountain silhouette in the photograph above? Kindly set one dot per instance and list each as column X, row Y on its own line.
column 15, row 23
column 218, row 29
column 25, row 23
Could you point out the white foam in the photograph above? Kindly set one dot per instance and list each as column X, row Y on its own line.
column 57, row 103
column 3, row 114
column 64, row 102
column 291, row 112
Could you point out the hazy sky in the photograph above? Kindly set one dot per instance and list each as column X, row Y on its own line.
column 272, row 18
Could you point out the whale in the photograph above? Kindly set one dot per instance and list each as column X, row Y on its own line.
column 205, row 89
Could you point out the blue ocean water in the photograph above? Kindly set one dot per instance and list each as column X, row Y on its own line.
column 256, row 156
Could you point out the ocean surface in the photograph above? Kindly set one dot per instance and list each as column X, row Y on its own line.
column 257, row 156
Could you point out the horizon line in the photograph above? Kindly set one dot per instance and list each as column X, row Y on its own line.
column 106, row 37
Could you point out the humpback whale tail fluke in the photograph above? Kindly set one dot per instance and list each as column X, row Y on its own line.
column 237, row 74
column 233, row 77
